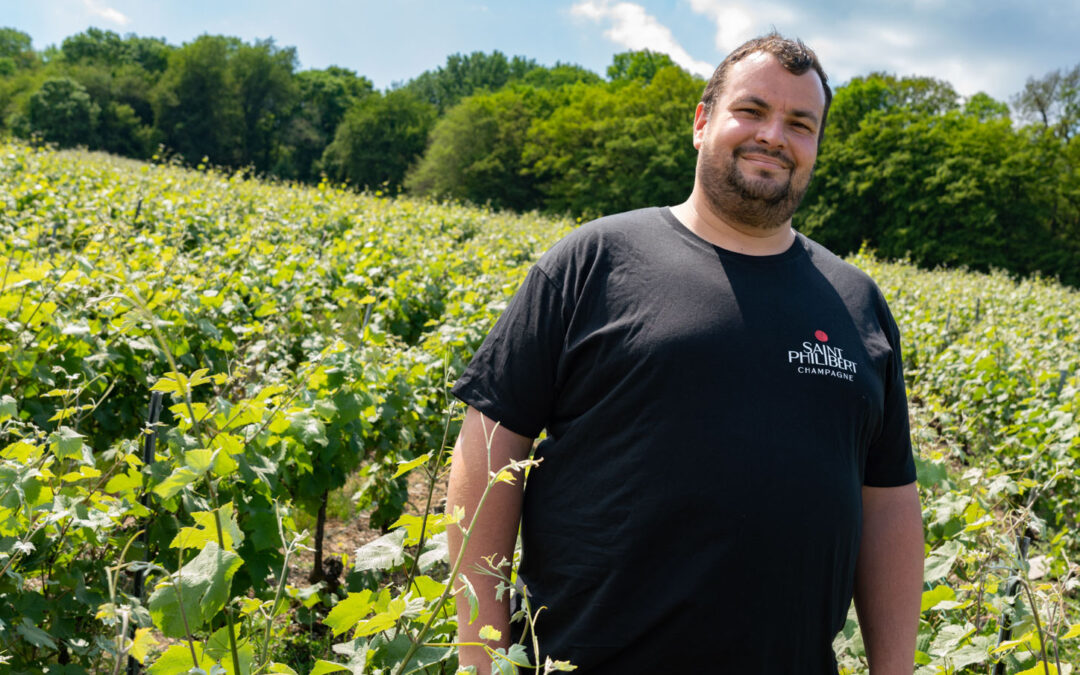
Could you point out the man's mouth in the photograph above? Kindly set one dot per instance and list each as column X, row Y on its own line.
column 765, row 159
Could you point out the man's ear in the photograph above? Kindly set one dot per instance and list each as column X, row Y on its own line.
column 700, row 121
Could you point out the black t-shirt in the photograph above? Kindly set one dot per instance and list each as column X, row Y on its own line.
column 711, row 418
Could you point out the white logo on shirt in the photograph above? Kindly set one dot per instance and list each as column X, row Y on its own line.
column 819, row 358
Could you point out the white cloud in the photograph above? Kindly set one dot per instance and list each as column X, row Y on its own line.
column 632, row 27
column 98, row 9
column 736, row 22
column 858, row 48
column 913, row 43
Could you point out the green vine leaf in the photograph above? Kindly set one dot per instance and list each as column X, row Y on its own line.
column 205, row 530
column 347, row 613
column 204, row 588
column 34, row 635
column 322, row 667
column 177, row 481
column 384, row 553
column 66, row 443
column 177, row 659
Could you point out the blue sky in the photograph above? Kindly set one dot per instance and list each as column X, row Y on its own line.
column 977, row 45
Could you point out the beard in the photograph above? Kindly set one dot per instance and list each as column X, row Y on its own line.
column 760, row 202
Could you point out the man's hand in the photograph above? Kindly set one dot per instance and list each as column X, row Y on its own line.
column 889, row 577
column 484, row 447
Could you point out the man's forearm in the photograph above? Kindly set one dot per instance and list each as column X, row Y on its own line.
column 485, row 540
column 888, row 578
column 481, row 449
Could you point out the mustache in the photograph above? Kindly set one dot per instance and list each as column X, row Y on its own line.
column 768, row 152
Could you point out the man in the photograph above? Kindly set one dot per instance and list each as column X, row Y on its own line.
column 727, row 457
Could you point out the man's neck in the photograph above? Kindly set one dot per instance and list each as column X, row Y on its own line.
column 731, row 236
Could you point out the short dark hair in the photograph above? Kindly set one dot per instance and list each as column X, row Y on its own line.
column 793, row 55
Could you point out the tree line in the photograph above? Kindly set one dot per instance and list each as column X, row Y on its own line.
column 907, row 166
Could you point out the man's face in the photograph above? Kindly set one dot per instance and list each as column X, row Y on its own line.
column 757, row 148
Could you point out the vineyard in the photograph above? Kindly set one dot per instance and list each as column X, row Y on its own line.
column 194, row 363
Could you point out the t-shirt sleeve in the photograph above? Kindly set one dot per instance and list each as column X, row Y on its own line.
column 511, row 378
column 890, row 462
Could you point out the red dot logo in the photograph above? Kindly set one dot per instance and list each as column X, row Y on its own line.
column 821, row 335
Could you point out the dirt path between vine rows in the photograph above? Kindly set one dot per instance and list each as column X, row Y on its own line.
column 341, row 538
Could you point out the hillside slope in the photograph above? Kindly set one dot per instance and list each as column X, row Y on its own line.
column 302, row 335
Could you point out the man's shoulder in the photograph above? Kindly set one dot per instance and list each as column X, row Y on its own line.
column 836, row 269
column 857, row 288
column 605, row 236
column 618, row 225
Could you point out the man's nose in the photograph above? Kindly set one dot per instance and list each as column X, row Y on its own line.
column 771, row 133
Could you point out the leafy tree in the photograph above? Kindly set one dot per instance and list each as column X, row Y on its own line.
column 16, row 51
column 326, row 95
column 559, row 75
column 617, row 146
column 118, row 74
column 150, row 54
column 380, row 137
column 324, row 98
column 15, row 93
column 881, row 92
column 95, row 45
column 475, row 152
column 464, row 75
column 638, row 65
column 984, row 107
column 265, row 90
column 20, row 77
column 127, row 84
column 905, row 171
column 196, row 108
column 122, row 93
column 1052, row 100
column 106, row 48
column 229, row 101
column 121, row 131
column 942, row 189
column 61, row 112
column 14, row 43
column 1067, row 212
